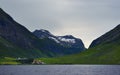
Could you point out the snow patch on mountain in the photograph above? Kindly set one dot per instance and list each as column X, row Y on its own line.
column 54, row 39
column 67, row 40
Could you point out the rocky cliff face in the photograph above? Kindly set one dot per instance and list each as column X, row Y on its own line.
column 111, row 36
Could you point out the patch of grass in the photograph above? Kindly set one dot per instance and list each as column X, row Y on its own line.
column 8, row 61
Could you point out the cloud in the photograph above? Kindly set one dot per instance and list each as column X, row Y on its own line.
column 86, row 19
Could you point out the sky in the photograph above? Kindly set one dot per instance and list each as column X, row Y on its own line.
column 84, row 19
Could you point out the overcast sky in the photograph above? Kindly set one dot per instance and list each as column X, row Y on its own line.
column 85, row 19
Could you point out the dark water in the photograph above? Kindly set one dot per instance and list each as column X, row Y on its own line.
column 60, row 70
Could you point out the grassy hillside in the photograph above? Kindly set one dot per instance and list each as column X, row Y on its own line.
column 8, row 61
column 102, row 54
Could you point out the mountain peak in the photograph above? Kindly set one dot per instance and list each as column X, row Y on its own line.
column 42, row 30
column 45, row 31
column 68, row 36
column 42, row 33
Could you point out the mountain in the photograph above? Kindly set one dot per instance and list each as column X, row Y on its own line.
column 103, row 50
column 17, row 41
column 14, row 32
column 25, row 44
column 62, row 45
column 109, row 37
column 42, row 34
column 65, row 41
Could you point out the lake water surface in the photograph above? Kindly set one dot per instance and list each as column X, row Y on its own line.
column 60, row 70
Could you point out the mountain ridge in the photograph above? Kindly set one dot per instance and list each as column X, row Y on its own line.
column 25, row 43
column 108, row 37
column 66, row 40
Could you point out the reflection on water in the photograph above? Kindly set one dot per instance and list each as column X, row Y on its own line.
column 60, row 70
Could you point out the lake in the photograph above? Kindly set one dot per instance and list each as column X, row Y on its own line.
column 60, row 70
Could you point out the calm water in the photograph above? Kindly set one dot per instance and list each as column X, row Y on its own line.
column 60, row 70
